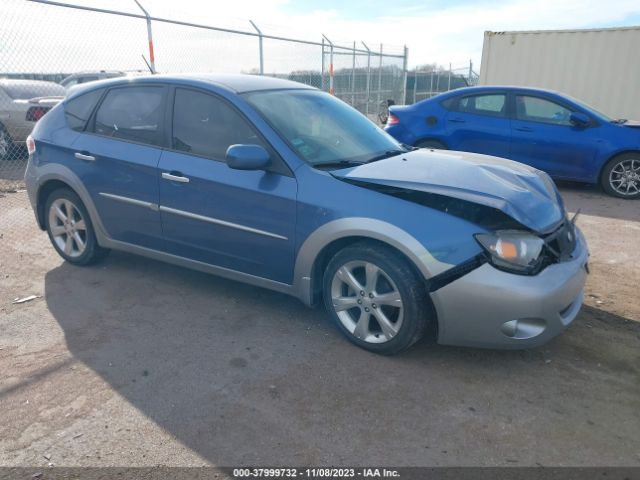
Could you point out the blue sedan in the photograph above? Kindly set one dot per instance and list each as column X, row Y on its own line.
column 283, row 186
column 549, row 131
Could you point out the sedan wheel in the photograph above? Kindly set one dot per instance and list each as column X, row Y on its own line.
column 5, row 143
column 367, row 302
column 624, row 177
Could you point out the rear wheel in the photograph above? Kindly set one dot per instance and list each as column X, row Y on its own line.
column 70, row 229
column 376, row 299
column 434, row 144
column 621, row 176
column 6, row 144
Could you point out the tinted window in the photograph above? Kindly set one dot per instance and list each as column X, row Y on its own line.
column 536, row 109
column 132, row 113
column 78, row 110
column 205, row 125
column 493, row 104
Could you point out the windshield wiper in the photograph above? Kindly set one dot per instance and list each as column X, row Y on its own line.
column 387, row 154
column 339, row 163
column 620, row 120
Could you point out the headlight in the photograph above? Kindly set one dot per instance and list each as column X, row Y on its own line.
column 512, row 250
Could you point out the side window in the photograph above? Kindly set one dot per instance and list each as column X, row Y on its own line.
column 536, row 109
column 205, row 125
column 132, row 113
column 78, row 110
column 493, row 104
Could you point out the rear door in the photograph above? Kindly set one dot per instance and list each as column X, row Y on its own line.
column 479, row 123
column 543, row 136
column 241, row 220
column 117, row 160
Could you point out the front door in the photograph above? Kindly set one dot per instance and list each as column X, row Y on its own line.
column 241, row 220
column 543, row 136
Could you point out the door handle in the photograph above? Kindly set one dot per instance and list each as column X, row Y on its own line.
column 85, row 157
column 457, row 120
column 524, row 129
column 175, row 178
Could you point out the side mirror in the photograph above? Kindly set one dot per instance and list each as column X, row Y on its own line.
column 579, row 119
column 247, row 157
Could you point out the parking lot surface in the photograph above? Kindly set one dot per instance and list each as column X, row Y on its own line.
column 134, row 362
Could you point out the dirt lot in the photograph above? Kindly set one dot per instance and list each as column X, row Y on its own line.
column 134, row 362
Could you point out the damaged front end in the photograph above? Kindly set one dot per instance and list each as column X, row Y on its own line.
column 524, row 225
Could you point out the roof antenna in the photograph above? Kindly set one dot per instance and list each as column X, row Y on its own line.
column 148, row 66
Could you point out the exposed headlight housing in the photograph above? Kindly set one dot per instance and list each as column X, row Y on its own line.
column 513, row 250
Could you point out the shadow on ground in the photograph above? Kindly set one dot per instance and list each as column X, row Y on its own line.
column 242, row 375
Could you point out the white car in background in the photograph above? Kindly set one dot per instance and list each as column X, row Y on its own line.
column 22, row 104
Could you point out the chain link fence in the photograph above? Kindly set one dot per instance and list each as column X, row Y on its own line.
column 43, row 43
column 423, row 83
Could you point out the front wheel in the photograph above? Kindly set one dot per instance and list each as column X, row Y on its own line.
column 376, row 299
column 621, row 176
column 70, row 229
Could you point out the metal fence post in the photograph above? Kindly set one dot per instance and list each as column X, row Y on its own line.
column 353, row 76
column 152, row 59
column 380, row 76
column 331, row 92
column 449, row 81
column 259, row 46
column 470, row 71
column 415, row 84
column 366, row 107
column 404, row 75
column 322, row 68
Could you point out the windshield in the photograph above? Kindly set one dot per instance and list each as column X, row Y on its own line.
column 322, row 129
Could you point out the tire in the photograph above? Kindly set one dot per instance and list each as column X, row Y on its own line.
column 433, row 144
column 73, row 235
column 6, row 144
column 621, row 176
column 400, row 293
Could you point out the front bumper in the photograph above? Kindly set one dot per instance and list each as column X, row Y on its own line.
column 495, row 309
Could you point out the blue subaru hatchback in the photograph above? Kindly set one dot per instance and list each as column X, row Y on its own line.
column 549, row 131
column 283, row 186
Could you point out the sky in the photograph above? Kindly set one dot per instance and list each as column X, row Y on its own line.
column 441, row 31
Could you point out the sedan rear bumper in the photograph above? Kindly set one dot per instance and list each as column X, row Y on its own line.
column 495, row 309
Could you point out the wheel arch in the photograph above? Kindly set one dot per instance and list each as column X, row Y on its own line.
column 327, row 240
column 613, row 156
column 54, row 176
column 433, row 139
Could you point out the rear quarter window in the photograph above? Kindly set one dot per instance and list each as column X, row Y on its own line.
column 78, row 110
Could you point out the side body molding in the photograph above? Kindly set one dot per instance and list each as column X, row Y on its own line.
column 307, row 254
column 359, row 227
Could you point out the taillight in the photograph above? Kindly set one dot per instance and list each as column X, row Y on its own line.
column 392, row 120
column 31, row 145
column 36, row 113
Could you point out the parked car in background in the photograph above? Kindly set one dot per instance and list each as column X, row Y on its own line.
column 547, row 130
column 89, row 76
column 22, row 104
column 283, row 186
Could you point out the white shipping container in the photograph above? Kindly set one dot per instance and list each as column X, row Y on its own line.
column 600, row 67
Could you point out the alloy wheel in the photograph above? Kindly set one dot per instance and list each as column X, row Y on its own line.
column 624, row 177
column 68, row 228
column 367, row 302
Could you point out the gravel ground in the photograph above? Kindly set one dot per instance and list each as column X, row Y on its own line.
column 138, row 363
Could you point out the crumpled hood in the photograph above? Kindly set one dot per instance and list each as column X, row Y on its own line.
column 524, row 193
